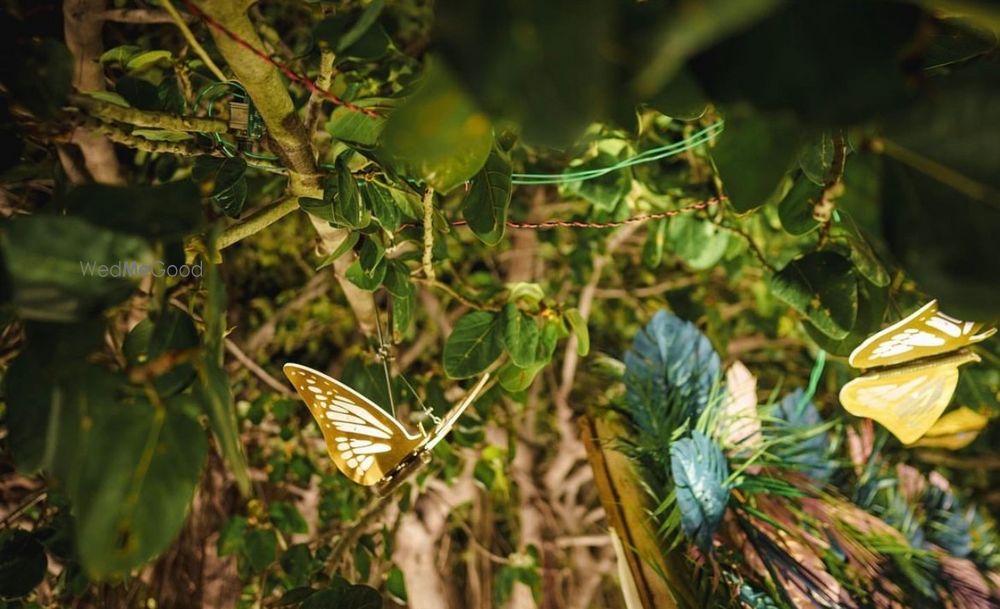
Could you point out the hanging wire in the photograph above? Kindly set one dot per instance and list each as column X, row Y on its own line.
column 385, row 355
column 655, row 154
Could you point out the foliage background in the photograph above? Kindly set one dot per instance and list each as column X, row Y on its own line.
column 149, row 451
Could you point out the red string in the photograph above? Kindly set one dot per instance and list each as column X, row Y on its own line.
column 550, row 224
column 287, row 71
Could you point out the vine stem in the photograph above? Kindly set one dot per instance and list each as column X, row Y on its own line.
column 833, row 187
column 754, row 248
column 33, row 498
column 428, row 260
column 191, row 40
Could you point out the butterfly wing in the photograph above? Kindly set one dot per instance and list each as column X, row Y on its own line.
column 364, row 441
column 925, row 332
column 908, row 400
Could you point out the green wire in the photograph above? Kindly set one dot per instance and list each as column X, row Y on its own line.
column 697, row 139
column 814, row 376
column 654, row 154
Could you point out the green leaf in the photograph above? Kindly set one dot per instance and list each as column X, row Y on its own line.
column 286, row 518
column 526, row 293
column 682, row 98
column 957, row 40
column 821, row 286
column 347, row 597
column 226, row 181
column 382, row 205
column 362, row 561
column 173, row 331
column 794, row 60
column 297, row 561
column 941, row 191
column 162, row 135
column 605, row 191
column 397, row 279
column 131, row 477
column 321, row 208
column 579, row 327
column 38, row 72
column 139, row 93
column 232, row 537
column 349, row 211
column 365, row 40
column 872, row 302
column 437, row 134
column 699, row 242
column 360, row 129
column 372, row 253
column 370, row 279
column 53, row 352
column 515, row 379
column 395, row 585
column 473, row 345
column 110, row 97
column 261, row 549
column 22, row 563
column 345, row 246
column 796, row 210
column 368, row 17
column 816, row 159
column 485, row 207
column 120, row 54
column 168, row 211
column 212, row 388
column 149, row 59
column 846, row 233
column 520, row 335
column 402, row 312
column 700, row 470
column 63, row 268
column 295, row 596
column 652, row 249
column 753, row 155
column 542, row 65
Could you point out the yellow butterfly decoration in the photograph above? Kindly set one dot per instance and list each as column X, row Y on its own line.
column 912, row 371
column 955, row 430
column 367, row 444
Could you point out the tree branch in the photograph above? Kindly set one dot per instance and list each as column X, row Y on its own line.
column 195, row 45
column 139, row 15
column 287, row 133
column 82, row 25
column 121, row 136
column 147, row 118
column 257, row 221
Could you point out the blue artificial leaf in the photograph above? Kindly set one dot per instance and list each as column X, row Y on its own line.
column 799, row 415
column 700, row 470
column 947, row 526
column 669, row 374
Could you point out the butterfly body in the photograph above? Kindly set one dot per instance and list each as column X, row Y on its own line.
column 367, row 444
column 912, row 371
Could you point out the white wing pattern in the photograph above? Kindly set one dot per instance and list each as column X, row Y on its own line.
column 364, row 441
column 925, row 332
